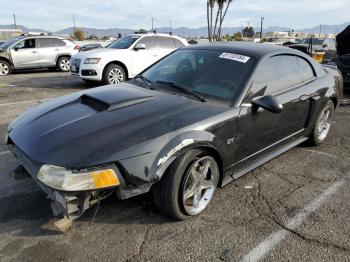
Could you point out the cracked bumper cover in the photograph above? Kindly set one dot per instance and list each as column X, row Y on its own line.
column 74, row 204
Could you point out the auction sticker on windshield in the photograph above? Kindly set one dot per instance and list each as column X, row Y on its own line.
column 235, row 57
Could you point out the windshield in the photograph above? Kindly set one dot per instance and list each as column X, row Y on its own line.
column 210, row 74
column 9, row 43
column 315, row 41
column 124, row 42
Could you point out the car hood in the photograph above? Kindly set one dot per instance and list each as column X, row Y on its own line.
column 86, row 128
column 98, row 52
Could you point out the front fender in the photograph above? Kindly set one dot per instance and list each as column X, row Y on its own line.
column 150, row 167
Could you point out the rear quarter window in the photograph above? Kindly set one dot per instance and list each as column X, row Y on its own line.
column 307, row 73
column 59, row 42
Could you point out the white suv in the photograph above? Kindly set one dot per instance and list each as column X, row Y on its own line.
column 124, row 58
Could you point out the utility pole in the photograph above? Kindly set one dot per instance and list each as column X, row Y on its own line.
column 261, row 29
column 171, row 27
column 319, row 34
column 73, row 23
column 152, row 18
column 14, row 21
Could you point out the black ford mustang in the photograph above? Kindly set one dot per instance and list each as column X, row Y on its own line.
column 198, row 119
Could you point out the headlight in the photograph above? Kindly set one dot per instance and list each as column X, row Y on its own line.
column 66, row 180
column 92, row 60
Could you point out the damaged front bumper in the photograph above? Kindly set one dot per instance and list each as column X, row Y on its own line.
column 72, row 204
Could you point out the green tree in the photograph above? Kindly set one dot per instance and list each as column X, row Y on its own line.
column 237, row 36
column 248, row 32
column 79, row 34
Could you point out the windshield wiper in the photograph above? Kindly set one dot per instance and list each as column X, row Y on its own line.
column 145, row 80
column 181, row 88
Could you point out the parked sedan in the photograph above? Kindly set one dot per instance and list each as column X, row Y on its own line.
column 194, row 121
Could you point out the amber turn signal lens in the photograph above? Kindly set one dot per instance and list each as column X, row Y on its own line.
column 104, row 178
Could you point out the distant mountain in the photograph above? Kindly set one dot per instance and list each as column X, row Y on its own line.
column 182, row 31
column 23, row 28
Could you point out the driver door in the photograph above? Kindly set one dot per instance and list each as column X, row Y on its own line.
column 260, row 131
column 143, row 58
column 25, row 54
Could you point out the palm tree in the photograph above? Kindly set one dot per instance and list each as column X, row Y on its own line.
column 210, row 5
column 220, row 6
column 222, row 17
column 208, row 21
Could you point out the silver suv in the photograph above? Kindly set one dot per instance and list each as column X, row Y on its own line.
column 33, row 51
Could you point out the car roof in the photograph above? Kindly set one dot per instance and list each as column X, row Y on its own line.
column 257, row 50
column 40, row 36
column 154, row 34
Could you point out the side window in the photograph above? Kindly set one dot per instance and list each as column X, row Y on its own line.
column 45, row 42
column 166, row 42
column 307, row 73
column 178, row 43
column 277, row 74
column 28, row 43
column 149, row 41
column 58, row 42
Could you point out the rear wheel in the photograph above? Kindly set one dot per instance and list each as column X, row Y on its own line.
column 188, row 186
column 323, row 124
column 113, row 74
column 5, row 68
column 63, row 64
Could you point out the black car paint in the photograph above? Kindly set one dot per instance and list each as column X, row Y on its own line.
column 143, row 130
column 343, row 52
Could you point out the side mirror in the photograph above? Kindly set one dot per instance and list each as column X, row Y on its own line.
column 324, row 45
column 140, row 46
column 269, row 103
column 15, row 48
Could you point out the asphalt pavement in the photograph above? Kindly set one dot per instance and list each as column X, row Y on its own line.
column 294, row 208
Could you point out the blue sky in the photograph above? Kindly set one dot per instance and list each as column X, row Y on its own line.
column 57, row 14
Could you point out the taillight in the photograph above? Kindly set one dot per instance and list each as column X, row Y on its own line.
column 76, row 47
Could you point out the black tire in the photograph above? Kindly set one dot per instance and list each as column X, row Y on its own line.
column 63, row 64
column 317, row 136
column 119, row 73
column 168, row 193
column 5, row 68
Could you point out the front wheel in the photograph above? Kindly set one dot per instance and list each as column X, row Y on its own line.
column 63, row 64
column 188, row 186
column 323, row 124
column 5, row 68
column 113, row 74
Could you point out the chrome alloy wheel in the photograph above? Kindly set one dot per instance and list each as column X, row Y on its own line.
column 199, row 185
column 65, row 65
column 115, row 76
column 324, row 124
column 4, row 69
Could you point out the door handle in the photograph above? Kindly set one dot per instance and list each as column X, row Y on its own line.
column 57, row 49
column 34, row 52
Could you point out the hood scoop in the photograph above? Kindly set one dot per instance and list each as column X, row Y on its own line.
column 106, row 101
